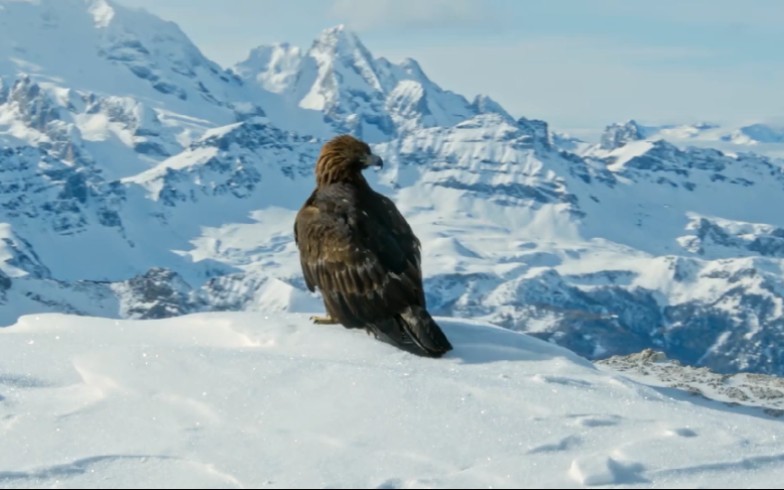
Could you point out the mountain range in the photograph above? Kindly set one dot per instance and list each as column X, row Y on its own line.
column 139, row 179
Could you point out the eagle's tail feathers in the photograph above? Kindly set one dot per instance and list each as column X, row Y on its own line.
column 414, row 331
column 424, row 332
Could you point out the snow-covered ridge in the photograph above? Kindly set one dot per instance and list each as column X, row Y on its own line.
column 370, row 97
column 760, row 137
column 238, row 400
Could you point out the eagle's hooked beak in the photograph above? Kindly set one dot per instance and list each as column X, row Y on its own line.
column 372, row 160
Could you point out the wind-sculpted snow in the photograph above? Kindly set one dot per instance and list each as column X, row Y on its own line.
column 245, row 400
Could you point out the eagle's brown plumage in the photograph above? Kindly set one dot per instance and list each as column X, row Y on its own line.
column 360, row 252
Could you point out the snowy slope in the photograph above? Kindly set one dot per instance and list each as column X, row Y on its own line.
column 250, row 400
column 100, row 46
column 106, row 83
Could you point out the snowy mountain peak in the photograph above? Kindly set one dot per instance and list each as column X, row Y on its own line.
column 101, row 47
column 357, row 93
column 765, row 138
column 413, row 69
column 273, row 67
column 539, row 130
column 102, row 12
column 341, row 40
column 758, row 133
column 350, row 86
column 343, row 65
column 484, row 104
column 341, row 49
column 617, row 135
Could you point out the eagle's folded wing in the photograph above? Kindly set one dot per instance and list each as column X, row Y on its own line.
column 358, row 264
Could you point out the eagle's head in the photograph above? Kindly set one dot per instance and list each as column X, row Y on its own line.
column 343, row 158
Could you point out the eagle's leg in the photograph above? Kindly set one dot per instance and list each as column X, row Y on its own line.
column 323, row 320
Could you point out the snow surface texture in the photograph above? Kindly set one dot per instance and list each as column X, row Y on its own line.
column 144, row 181
column 248, row 400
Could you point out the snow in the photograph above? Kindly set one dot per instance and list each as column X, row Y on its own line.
column 102, row 12
column 654, row 368
column 765, row 137
column 274, row 67
column 327, row 78
column 627, row 152
column 180, row 161
column 255, row 399
column 118, row 51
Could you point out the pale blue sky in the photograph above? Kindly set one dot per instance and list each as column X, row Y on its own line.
column 575, row 63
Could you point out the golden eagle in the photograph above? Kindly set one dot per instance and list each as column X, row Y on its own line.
column 356, row 247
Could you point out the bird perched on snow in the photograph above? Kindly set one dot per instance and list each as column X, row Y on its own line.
column 360, row 252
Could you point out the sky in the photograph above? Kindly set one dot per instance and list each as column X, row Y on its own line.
column 577, row 64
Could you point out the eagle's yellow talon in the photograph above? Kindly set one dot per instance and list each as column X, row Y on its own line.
column 323, row 320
